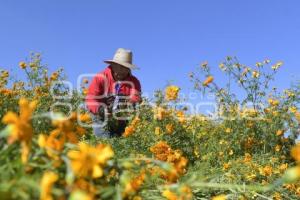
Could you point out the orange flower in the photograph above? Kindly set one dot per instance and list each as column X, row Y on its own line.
column 132, row 186
column 131, row 128
column 208, row 80
column 295, row 152
column 162, row 151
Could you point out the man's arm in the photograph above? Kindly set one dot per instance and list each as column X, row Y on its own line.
column 135, row 92
column 95, row 92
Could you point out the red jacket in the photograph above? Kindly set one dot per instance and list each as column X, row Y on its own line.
column 103, row 84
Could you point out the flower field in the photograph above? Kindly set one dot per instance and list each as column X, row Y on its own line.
column 247, row 149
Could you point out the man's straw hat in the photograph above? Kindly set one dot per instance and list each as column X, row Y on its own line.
column 123, row 57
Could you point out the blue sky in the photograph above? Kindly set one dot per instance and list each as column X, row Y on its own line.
column 169, row 38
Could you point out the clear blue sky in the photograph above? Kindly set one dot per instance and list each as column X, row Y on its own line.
column 169, row 38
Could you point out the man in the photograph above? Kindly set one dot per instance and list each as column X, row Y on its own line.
column 108, row 90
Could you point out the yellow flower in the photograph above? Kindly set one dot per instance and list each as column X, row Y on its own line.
column 169, row 128
column 293, row 109
column 247, row 158
column 278, row 148
column 222, row 67
column 133, row 185
column 273, row 102
column 68, row 129
column 171, row 93
column 54, row 76
column 96, row 158
column 20, row 126
column 251, row 177
column 169, row 195
column 255, row 74
column 277, row 65
column 157, row 130
column 228, row 130
column 53, row 144
column 277, row 196
column 219, row 197
column 279, row 132
column 208, row 80
column 258, row 64
column 159, row 113
column 266, row 171
column 22, row 65
column 48, row 179
column 80, row 195
column 204, row 64
column 180, row 116
column 283, row 167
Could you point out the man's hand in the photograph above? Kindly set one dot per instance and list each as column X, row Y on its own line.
column 109, row 100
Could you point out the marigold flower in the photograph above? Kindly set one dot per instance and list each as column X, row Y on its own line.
column 266, row 171
column 160, row 113
column 278, row 148
column 169, row 128
column 248, row 157
column 293, row 109
column 22, row 65
column 208, row 80
column 162, row 151
column 226, row 166
column 53, row 144
column 273, row 102
column 220, row 197
column 96, row 157
column 67, row 128
column 297, row 115
column 255, row 74
column 171, row 93
column 80, row 195
column 48, row 179
column 228, row 130
column 131, row 128
column 180, row 116
column 20, row 127
column 283, row 167
column 169, row 195
column 132, row 186
column 279, row 132
column 295, row 152
column 157, row 130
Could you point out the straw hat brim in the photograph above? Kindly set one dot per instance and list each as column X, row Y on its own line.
column 127, row 65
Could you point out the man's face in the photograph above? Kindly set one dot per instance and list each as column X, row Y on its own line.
column 119, row 72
